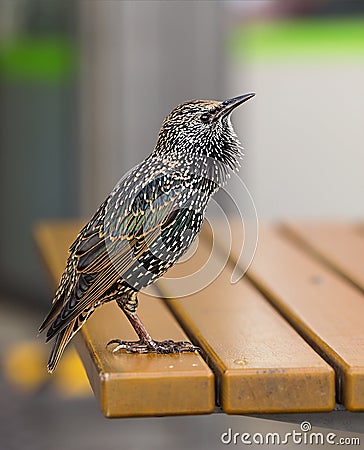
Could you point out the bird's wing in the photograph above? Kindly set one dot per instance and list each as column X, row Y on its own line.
column 112, row 242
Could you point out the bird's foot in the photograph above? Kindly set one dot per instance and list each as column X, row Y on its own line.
column 116, row 346
column 170, row 346
column 166, row 347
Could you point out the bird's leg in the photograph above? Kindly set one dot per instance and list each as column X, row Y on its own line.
column 128, row 305
column 145, row 344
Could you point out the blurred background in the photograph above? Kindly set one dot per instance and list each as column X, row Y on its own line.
column 84, row 87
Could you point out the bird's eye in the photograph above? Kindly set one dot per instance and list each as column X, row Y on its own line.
column 205, row 118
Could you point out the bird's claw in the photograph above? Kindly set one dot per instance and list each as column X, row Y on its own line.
column 162, row 347
column 170, row 346
column 116, row 346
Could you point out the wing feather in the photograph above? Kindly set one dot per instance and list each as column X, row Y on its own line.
column 107, row 247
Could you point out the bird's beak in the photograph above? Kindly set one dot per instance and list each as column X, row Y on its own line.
column 228, row 105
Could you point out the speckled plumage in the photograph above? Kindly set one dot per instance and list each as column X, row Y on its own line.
column 147, row 222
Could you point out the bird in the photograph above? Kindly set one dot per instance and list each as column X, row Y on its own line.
column 148, row 221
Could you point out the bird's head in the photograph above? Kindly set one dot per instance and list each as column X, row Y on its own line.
column 201, row 128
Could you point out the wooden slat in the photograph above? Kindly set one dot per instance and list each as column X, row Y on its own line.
column 262, row 364
column 144, row 385
column 132, row 385
column 339, row 245
column 326, row 309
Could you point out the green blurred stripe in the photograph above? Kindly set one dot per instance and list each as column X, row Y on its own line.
column 37, row 59
column 299, row 39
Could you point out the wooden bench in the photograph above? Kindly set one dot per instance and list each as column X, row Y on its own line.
column 287, row 337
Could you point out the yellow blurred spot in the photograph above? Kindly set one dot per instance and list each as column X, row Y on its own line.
column 70, row 377
column 24, row 365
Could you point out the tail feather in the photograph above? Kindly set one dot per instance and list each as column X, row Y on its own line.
column 53, row 313
column 62, row 339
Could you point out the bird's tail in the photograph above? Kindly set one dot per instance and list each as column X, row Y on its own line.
column 62, row 339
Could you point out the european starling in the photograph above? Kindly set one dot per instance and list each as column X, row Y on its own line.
column 146, row 224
